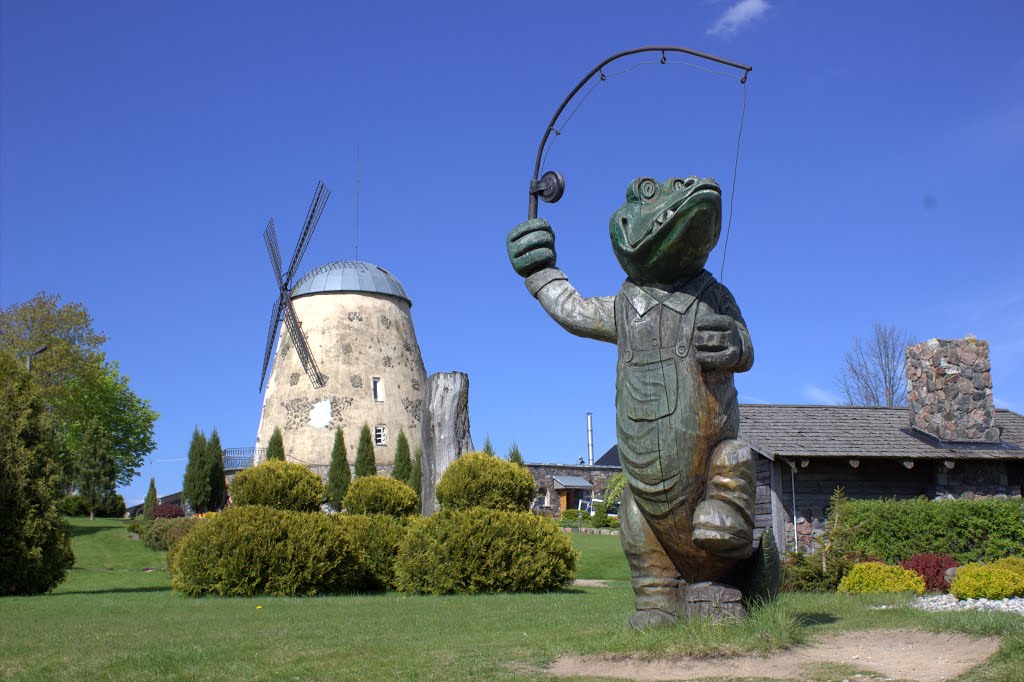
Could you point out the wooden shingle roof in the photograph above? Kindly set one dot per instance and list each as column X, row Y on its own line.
column 809, row 431
column 863, row 432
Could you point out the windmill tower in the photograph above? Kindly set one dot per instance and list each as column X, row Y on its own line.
column 346, row 355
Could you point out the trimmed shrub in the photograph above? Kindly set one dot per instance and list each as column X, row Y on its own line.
column 111, row 507
column 874, row 576
column 932, row 568
column 254, row 549
column 484, row 550
column 477, row 479
column 161, row 534
column 570, row 517
column 168, row 510
column 600, row 518
column 967, row 530
column 1013, row 563
column 277, row 484
column 72, row 505
column 380, row 495
column 977, row 581
column 376, row 540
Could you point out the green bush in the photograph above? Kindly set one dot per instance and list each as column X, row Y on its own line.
column 600, row 518
column 35, row 545
column 254, row 549
column 161, row 534
column 803, row 572
column 281, row 485
column 570, row 517
column 484, row 550
column 976, row 581
column 1013, row 563
column 967, row 530
column 477, row 479
column 72, row 505
column 874, row 576
column 380, row 495
column 376, row 540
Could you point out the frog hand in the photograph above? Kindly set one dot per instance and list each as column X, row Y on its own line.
column 531, row 247
column 717, row 341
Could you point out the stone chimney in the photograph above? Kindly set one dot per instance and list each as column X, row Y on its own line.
column 949, row 390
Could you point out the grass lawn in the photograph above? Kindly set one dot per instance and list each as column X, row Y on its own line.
column 113, row 620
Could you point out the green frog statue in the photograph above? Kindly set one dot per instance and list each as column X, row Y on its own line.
column 687, row 513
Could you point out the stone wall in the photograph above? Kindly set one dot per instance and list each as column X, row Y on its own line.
column 949, row 390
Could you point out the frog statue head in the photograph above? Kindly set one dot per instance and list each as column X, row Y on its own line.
column 665, row 232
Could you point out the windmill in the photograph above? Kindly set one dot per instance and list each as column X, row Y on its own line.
column 283, row 306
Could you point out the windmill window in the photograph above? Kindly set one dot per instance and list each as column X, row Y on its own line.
column 380, row 435
column 378, row 389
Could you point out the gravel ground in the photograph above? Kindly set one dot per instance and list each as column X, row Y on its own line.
column 947, row 602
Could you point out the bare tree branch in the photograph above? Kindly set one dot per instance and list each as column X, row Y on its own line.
column 872, row 372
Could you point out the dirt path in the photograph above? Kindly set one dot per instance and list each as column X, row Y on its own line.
column 900, row 654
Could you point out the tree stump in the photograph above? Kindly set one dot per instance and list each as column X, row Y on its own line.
column 445, row 430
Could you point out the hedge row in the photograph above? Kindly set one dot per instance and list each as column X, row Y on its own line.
column 967, row 530
column 161, row 534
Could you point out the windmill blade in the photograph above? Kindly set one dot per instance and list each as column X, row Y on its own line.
column 301, row 347
column 312, row 217
column 273, row 250
column 275, row 319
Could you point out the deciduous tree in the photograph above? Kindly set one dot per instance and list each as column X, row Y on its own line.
column 873, row 371
column 95, row 467
column 338, row 476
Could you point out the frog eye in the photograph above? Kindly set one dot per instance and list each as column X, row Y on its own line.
column 647, row 188
column 680, row 183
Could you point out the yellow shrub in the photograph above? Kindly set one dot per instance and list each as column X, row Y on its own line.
column 976, row 581
column 874, row 576
column 1012, row 563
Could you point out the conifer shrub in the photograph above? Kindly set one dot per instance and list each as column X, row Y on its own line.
column 151, row 500
column 986, row 581
column 339, row 477
column 168, row 510
column 73, row 505
column 874, row 576
column 403, row 459
column 803, row 571
column 254, row 549
column 366, row 463
column 376, row 540
column 484, row 550
column 477, row 479
column 275, row 446
column 380, row 495
column 277, row 484
column 600, row 518
column 161, row 534
column 571, row 517
column 932, row 569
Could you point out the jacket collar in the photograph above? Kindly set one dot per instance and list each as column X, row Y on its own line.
column 678, row 299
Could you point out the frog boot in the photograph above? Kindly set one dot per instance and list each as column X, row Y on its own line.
column 723, row 523
column 655, row 578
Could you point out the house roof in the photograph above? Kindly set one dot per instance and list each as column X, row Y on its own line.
column 572, row 483
column 809, row 431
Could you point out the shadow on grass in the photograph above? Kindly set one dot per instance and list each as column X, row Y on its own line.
column 117, row 590
column 815, row 618
column 79, row 531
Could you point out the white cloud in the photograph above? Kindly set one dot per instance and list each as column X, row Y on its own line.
column 738, row 16
column 820, row 395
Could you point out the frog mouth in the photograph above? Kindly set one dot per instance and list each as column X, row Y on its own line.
column 678, row 210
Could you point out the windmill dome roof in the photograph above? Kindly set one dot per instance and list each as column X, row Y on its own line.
column 350, row 275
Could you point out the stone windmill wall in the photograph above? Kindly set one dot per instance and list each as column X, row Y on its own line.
column 365, row 346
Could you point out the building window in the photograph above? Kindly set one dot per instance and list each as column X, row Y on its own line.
column 378, row 389
column 380, row 435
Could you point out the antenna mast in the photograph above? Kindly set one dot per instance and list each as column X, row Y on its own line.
column 357, row 201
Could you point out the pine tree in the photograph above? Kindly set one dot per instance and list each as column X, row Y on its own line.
column 366, row 465
column 95, row 467
column 275, row 448
column 215, row 473
column 514, row 455
column 488, row 448
column 151, row 499
column 403, row 463
column 416, row 476
column 195, row 489
column 338, row 476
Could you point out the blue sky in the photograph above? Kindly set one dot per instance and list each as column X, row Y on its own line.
column 145, row 145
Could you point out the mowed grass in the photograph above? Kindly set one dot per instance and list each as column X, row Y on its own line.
column 113, row 620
